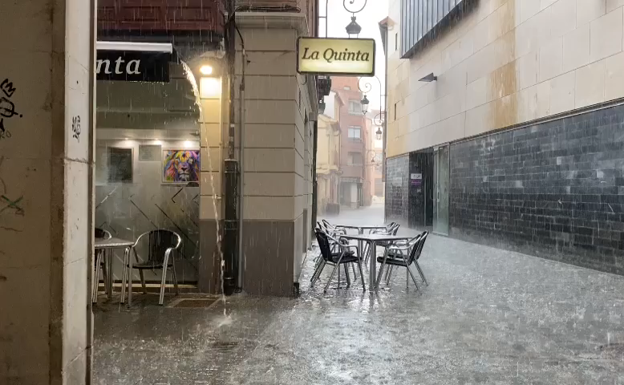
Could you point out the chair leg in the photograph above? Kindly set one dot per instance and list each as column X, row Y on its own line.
column 338, row 275
column 346, row 269
column 389, row 275
column 413, row 278
column 163, row 282
column 317, row 273
column 105, row 278
column 124, row 271
column 175, row 277
column 96, row 276
column 143, row 281
column 359, row 262
column 354, row 273
column 381, row 270
column 422, row 275
column 336, row 267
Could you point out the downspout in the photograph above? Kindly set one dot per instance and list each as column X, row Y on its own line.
column 315, row 146
column 385, row 123
column 241, row 161
column 229, row 264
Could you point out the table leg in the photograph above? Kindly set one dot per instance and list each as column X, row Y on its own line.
column 373, row 266
column 130, row 280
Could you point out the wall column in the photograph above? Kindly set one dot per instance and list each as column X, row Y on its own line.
column 210, row 206
column 46, row 189
column 277, row 160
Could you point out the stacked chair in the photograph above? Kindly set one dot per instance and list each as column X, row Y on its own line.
column 335, row 252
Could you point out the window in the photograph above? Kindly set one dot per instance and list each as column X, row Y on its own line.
column 355, row 107
column 355, row 159
column 420, row 17
column 355, row 132
column 119, row 165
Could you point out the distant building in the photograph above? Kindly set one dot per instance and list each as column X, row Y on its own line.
column 328, row 165
column 354, row 191
column 374, row 154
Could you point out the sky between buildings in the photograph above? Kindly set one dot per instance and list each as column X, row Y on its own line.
column 368, row 19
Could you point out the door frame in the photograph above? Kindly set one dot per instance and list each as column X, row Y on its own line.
column 436, row 187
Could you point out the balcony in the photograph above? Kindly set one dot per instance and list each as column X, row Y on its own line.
column 161, row 16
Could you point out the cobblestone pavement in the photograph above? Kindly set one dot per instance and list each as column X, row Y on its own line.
column 488, row 317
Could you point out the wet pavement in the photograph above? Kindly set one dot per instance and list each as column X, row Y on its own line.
column 488, row 317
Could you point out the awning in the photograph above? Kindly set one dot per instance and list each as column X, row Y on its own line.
column 124, row 100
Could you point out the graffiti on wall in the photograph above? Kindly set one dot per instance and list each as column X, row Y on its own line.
column 7, row 107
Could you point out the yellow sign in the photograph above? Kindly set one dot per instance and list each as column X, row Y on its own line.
column 328, row 56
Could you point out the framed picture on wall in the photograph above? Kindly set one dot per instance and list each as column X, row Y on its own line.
column 181, row 166
column 119, row 165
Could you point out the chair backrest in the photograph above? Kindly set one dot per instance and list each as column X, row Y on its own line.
column 102, row 234
column 395, row 229
column 324, row 244
column 159, row 242
column 423, row 238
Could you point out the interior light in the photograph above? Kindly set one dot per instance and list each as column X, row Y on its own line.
column 210, row 88
column 188, row 143
column 157, row 141
column 206, row 70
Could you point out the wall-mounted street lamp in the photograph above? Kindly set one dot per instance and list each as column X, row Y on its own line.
column 353, row 28
column 321, row 106
column 364, row 102
column 206, row 70
column 380, row 119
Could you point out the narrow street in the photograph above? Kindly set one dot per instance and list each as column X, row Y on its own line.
column 488, row 316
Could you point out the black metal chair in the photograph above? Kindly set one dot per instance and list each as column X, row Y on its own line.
column 99, row 264
column 162, row 246
column 331, row 229
column 391, row 229
column 342, row 257
column 398, row 255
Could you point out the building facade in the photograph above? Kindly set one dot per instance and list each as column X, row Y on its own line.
column 504, row 124
column 374, row 154
column 354, row 191
column 328, row 165
column 145, row 151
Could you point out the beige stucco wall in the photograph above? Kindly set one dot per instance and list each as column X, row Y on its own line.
column 46, row 222
column 505, row 63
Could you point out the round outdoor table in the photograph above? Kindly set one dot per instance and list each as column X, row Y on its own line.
column 373, row 240
column 360, row 229
column 105, row 246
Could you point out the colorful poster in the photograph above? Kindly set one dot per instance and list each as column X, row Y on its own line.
column 181, row 166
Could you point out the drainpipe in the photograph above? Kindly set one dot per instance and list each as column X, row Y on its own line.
column 241, row 160
column 315, row 145
column 229, row 264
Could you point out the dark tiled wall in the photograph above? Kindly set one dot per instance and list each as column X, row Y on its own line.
column 397, row 185
column 554, row 190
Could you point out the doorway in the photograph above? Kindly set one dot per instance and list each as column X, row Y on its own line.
column 441, row 190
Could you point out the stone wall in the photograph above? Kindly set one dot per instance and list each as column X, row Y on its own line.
column 397, row 189
column 555, row 190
